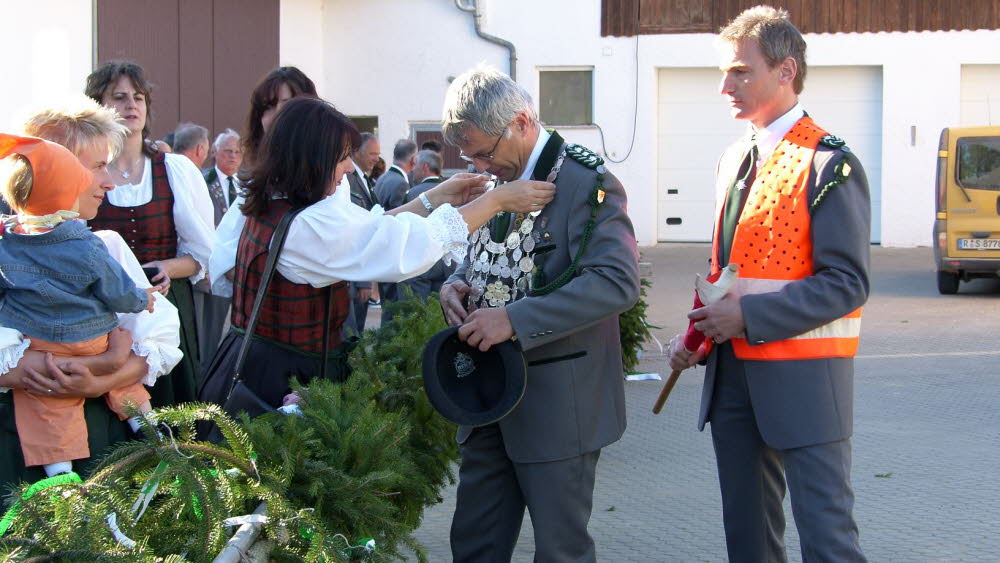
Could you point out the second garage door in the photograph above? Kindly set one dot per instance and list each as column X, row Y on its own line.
column 694, row 128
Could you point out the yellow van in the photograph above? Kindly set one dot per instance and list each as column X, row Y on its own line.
column 967, row 227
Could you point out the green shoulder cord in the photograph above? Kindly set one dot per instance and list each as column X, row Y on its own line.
column 841, row 170
column 594, row 162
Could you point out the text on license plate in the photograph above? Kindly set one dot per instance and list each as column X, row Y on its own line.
column 978, row 243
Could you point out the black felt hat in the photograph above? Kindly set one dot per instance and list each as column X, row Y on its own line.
column 470, row 387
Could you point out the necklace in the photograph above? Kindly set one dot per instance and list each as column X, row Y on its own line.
column 130, row 171
column 498, row 271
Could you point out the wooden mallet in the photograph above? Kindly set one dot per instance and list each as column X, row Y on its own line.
column 707, row 292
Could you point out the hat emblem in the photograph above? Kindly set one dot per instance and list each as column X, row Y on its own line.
column 464, row 366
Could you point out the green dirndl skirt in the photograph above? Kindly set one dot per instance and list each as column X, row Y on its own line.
column 103, row 430
column 181, row 384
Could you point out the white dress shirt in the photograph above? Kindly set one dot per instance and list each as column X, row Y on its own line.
column 769, row 137
column 155, row 336
column 543, row 137
column 193, row 209
column 224, row 184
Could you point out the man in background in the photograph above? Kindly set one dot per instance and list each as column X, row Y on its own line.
column 223, row 185
column 191, row 140
column 363, row 195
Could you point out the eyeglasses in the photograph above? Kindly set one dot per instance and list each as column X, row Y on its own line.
column 488, row 157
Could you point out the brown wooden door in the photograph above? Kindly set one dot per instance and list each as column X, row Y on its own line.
column 202, row 56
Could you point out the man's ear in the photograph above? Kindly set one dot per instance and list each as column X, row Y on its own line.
column 788, row 70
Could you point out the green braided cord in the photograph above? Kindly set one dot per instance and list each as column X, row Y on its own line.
column 15, row 509
column 588, row 231
column 838, row 178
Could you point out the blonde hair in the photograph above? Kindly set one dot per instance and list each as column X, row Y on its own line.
column 16, row 181
column 776, row 35
column 77, row 125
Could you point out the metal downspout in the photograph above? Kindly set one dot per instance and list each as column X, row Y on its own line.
column 477, row 15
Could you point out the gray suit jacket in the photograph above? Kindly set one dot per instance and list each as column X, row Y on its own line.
column 574, row 402
column 390, row 188
column 806, row 402
column 361, row 194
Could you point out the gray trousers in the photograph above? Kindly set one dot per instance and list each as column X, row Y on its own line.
column 212, row 313
column 753, row 476
column 493, row 492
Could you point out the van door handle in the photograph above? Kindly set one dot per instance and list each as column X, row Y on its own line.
column 998, row 205
column 980, row 234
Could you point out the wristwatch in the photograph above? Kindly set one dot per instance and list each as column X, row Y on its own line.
column 427, row 203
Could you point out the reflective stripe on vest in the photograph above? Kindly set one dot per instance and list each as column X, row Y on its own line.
column 773, row 247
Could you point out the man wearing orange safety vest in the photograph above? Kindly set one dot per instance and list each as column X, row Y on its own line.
column 793, row 211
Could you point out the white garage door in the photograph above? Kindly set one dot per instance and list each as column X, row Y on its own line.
column 980, row 95
column 694, row 128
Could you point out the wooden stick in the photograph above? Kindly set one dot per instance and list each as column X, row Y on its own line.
column 665, row 392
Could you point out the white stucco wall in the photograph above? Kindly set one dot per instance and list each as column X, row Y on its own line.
column 392, row 59
column 51, row 55
column 300, row 39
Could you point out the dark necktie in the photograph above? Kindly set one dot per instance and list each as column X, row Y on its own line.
column 735, row 201
column 232, row 191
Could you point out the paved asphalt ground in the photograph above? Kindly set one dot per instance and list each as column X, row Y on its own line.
column 926, row 439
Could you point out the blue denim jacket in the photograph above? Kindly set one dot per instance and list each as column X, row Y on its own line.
column 63, row 286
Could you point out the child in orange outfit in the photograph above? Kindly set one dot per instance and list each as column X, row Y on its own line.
column 61, row 289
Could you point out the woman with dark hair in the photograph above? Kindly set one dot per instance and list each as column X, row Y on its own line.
column 162, row 209
column 301, row 164
column 273, row 91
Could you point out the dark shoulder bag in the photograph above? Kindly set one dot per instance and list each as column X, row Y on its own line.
column 241, row 398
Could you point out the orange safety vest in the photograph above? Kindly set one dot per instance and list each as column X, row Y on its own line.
column 773, row 247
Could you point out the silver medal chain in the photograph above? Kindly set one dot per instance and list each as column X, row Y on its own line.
column 498, row 271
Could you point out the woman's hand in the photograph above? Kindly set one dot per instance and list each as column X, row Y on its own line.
column 458, row 190
column 523, row 196
column 161, row 281
column 71, row 379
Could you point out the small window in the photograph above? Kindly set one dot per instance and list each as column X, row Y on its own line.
column 565, row 97
column 979, row 163
column 366, row 123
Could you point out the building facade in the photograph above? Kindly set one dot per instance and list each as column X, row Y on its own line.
column 635, row 81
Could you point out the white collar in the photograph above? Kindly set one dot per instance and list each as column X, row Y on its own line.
column 361, row 173
column 406, row 177
column 222, row 176
column 769, row 137
column 543, row 137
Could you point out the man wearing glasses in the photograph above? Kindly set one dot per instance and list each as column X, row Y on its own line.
column 555, row 279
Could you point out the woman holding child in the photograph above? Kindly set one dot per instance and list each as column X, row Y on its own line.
column 142, row 348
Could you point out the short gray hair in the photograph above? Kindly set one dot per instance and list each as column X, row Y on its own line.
column 776, row 35
column 223, row 136
column 403, row 150
column 486, row 99
column 189, row 135
column 431, row 159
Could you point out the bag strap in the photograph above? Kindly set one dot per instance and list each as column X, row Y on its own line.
column 277, row 242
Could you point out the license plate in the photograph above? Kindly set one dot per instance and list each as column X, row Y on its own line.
column 979, row 244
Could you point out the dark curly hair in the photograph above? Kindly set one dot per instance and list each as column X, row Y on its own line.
column 299, row 155
column 107, row 74
column 265, row 97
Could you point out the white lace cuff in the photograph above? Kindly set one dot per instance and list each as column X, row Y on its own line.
column 158, row 362
column 10, row 356
column 449, row 228
column 203, row 266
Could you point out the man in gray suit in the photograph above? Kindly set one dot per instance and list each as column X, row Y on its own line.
column 223, row 185
column 794, row 213
column 426, row 175
column 526, row 277
column 391, row 187
column 391, row 190
column 363, row 196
